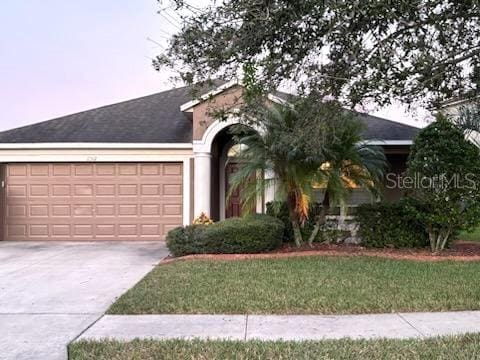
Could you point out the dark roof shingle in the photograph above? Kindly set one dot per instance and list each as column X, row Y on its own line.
column 153, row 119
column 382, row 129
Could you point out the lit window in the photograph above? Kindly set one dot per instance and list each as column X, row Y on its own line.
column 236, row 150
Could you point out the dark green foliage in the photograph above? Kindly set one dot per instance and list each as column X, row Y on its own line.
column 327, row 233
column 356, row 50
column 252, row 234
column 391, row 225
column 446, row 170
column 280, row 211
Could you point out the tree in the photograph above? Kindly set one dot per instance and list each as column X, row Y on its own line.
column 445, row 169
column 356, row 50
column 303, row 144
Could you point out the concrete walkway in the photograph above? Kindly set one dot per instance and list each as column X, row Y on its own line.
column 51, row 291
column 288, row 327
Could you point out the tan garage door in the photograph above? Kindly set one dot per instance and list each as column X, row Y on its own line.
column 100, row 201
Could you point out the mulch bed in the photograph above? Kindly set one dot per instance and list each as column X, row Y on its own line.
column 460, row 251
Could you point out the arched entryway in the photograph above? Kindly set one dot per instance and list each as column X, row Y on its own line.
column 225, row 163
column 211, row 154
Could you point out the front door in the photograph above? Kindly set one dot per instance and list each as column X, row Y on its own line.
column 234, row 203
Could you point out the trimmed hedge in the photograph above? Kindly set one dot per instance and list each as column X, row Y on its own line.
column 251, row 234
column 391, row 225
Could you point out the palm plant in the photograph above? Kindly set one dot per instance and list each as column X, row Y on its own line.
column 351, row 163
column 270, row 150
column 303, row 147
column 468, row 120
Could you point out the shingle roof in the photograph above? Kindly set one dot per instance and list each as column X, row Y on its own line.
column 377, row 128
column 152, row 119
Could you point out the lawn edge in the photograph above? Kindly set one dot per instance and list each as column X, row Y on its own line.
column 391, row 255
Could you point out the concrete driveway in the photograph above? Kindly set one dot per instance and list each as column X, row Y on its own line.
column 50, row 292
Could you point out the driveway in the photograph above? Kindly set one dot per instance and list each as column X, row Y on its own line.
column 51, row 292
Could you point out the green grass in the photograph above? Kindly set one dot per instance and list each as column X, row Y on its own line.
column 471, row 236
column 308, row 285
column 462, row 347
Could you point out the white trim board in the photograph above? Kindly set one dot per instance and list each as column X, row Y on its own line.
column 187, row 106
column 388, row 142
column 209, row 94
column 186, row 191
column 83, row 145
column 93, row 155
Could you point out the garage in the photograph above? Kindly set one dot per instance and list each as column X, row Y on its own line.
column 91, row 201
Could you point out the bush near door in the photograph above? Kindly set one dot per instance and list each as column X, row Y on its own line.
column 251, row 234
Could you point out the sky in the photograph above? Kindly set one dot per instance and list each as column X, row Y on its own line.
column 61, row 57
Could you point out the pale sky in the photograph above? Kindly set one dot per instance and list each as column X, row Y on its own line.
column 61, row 57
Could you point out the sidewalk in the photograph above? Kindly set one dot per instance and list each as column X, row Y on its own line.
column 283, row 327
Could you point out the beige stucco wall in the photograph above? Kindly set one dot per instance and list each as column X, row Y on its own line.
column 203, row 112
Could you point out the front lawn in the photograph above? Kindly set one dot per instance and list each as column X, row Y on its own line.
column 306, row 285
column 461, row 347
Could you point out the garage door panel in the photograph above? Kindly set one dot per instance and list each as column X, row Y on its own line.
column 17, row 170
column 172, row 210
column 19, row 191
column 62, row 231
column 107, row 190
column 172, row 190
column 149, row 170
column 39, row 211
column 39, row 190
column 83, row 170
column 105, row 210
column 38, row 230
column 93, row 201
column 16, row 231
column 61, row 210
column 16, row 211
column 127, row 190
column 59, row 170
column 39, row 170
column 172, row 169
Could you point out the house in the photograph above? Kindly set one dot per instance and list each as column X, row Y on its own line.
column 136, row 169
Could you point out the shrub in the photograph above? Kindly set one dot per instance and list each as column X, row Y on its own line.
column 446, row 167
column 327, row 233
column 279, row 210
column 391, row 225
column 252, row 234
